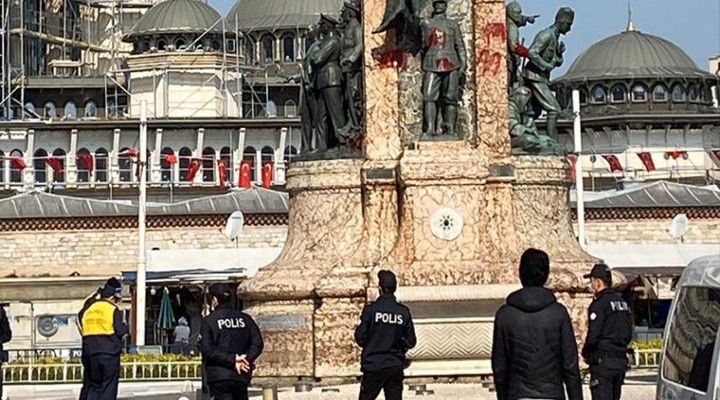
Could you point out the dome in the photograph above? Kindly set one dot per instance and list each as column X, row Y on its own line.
column 270, row 15
column 177, row 16
column 633, row 54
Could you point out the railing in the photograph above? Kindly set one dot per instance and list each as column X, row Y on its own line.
column 647, row 358
column 129, row 371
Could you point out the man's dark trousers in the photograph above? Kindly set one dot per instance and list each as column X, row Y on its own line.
column 104, row 377
column 607, row 378
column 229, row 390
column 390, row 381
column 86, row 376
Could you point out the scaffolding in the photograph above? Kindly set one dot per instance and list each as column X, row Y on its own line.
column 83, row 38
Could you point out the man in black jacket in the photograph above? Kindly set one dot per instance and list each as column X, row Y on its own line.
column 84, row 358
column 5, row 336
column 534, row 350
column 386, row 332
column 608, row 337
column 230, row 343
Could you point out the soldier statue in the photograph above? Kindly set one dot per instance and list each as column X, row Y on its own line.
column 546, row 53
column 310, row 139
column 351, row 63
column 326, row 74
column 524, row 136
column 516, row 50
column 444, row 60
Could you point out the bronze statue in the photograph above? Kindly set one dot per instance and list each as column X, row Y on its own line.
column 546, row 54
column 351, row 63
column 444, row 61
column 326, row 74
column 402, row 15
column 524, row 135
column 516, row 49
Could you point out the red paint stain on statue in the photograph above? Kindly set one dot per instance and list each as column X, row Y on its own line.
column 437, row 37
column 490, row 62
column 495, row 30
column 390, row 58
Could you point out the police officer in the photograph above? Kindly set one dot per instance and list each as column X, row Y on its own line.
column 385, row 333
column 84, row 356
column 5, row 336
column 608, row 337
column 103, row 331
column 230, row 343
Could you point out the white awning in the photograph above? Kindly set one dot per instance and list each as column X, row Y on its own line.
column 212, row 260
column 651, row 258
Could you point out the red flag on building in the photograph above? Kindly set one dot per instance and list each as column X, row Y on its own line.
column 267, row 173
column 17, row 163
column 54, row 163
column 572, row 158
column 222, row 172
column 675, row 154
column 132, row 153
column 716, row 153
column 244, row 175
column 170, row 158
column 194, row 167
column 647, row 161
column 614, row 162
column 86, row 161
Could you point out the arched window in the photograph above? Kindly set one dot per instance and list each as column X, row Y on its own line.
column 167, row 160
column 90, row 109
column 267, row 155
column 678, row 93
column 598, row 94
column 180, row 43
column 288, row 43
column 290, row 108
column 289, row 153
column 111, row 109
column 216, row 45
column 618, row 94
column 249, row 157
column 161, row 44
column 267, row 50
column 694, row 93
column 40, row 157
column 16, row 162
column 59, row 173
column 271, row 109
column 184, row 159
column 125, row 165
column 249, row 51
column 84, row 163
column 660, row 94
column 70, row 110
column 30, row 110
column 101, row 165
column 208, row 164
column 226, row 158
column 639, row 94
column 50, row 110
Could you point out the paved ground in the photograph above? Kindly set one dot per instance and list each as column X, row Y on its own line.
column 639, row 385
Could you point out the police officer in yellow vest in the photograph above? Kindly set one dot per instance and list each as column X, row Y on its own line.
column 103, row 330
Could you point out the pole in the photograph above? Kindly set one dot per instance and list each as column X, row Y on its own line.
column 141, row 290
column 579, row 184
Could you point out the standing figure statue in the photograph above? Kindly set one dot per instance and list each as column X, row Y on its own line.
column 516, row 49
column 444, row 60
column 524, row 136
column 327, row 81
column 546, row 54
column 351, row 63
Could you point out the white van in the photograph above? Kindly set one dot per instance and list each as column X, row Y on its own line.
column 689, row 363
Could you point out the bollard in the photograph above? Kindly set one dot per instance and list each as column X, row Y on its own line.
column 270, row 394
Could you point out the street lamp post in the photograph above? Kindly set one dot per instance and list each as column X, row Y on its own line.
column 579, row 183
column 141, row 287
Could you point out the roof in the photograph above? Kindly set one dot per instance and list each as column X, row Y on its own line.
column 703, row 271
column 633, row 54
column 658, row 194
column 176, row 16
column 637, row 258
column 270, row 15
column 37, row 204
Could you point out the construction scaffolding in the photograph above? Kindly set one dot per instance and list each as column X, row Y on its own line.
column 74, row 39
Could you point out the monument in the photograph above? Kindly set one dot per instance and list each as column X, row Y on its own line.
column 450, row 216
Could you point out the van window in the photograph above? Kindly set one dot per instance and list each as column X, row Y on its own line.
column 691, row 338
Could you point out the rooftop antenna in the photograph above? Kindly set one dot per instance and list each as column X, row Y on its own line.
column 630, row 25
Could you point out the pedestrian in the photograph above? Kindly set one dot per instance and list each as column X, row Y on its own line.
column 385, row 333
column 608, row 337
column 534, row 353
column 230, row 342
column 181, row 335
column 83, row 355
column 103, row 331
column 5, row 337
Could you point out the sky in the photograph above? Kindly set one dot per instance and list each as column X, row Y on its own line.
column 694, row 25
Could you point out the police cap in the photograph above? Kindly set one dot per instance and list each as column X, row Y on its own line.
column 221, row 291
column 599, row 271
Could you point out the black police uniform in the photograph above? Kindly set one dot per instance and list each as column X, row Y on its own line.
column 608, row 337
column 84, row 358
column 225, row 333
column 386, row 332
column 5, row 336
column 103, row 331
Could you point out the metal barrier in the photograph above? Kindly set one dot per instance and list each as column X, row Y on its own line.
column 647, row 358
column 129, row 371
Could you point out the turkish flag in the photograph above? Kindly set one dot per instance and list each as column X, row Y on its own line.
column 222, row 172
column 716, row 153
column 573, row 160
column 170, row 158
column 194, row 167
column 244, row 175
column 54, row 163
column 86, row 161
column 267, row 175
column 17, row 163
column 133, row 153
column 647, row 161
column 614, row 162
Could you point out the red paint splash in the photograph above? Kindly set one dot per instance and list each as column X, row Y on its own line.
column 437, row 37
column 490, row 61
column 495, row 30
column 391, row 59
